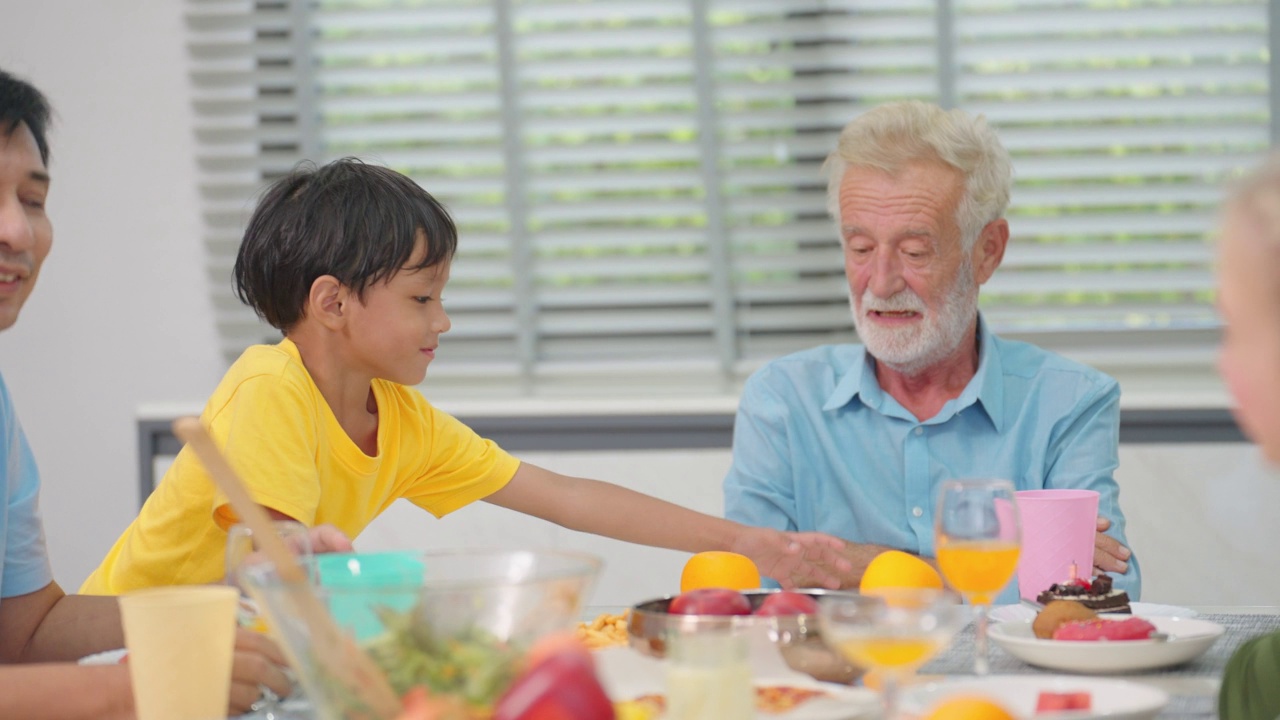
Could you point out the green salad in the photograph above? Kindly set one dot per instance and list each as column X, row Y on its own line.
column 472, row 664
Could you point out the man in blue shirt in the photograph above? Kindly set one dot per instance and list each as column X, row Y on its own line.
column 854, row 440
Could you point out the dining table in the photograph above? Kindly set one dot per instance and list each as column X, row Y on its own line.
column 1192, row 687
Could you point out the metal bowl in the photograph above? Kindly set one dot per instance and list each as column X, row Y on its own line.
column 798, row 638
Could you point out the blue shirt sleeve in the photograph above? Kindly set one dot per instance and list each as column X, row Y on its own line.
column 1085, row 456
column 26, row 557
column 758, row 488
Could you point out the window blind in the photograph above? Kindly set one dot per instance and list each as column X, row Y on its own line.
column 637, row 185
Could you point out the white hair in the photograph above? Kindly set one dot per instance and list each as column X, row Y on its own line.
column 894, row 135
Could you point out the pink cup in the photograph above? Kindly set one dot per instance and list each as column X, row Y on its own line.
column 1058, row 528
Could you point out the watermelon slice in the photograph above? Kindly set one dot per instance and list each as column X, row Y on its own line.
column 1049, row 702
column 1133, row 628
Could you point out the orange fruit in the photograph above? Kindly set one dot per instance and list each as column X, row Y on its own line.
column 968, row 707
column 896, row 569
column 717, row 569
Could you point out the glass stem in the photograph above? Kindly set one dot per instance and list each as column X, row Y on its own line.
column 980, row 666
column 889, row 695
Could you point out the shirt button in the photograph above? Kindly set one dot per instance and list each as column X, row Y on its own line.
column 917, row 511
column 919, row 431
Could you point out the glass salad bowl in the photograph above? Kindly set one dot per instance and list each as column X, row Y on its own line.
column 456, row 622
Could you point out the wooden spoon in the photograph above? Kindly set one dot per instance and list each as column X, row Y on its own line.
column 333, row 649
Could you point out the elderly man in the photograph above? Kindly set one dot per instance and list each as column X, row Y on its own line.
column 853, row 440
column 39, row 624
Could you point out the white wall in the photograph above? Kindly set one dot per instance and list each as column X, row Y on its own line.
column 125, row 270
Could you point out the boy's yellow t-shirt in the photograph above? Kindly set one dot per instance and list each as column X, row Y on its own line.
column 281, row 437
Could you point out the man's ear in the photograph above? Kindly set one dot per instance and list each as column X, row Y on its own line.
column 988, row 251
column 327, row 301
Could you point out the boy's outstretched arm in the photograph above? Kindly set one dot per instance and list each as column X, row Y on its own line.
column 793, row 559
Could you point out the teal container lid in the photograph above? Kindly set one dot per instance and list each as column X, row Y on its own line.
column 380, row 569
column 394, row 578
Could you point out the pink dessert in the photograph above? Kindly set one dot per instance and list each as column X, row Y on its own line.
column 1098, row 629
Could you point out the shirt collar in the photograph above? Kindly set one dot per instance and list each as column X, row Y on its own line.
column 985, row 388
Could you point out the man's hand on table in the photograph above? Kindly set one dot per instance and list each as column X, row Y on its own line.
column 795, row 559
column 1108, row 554
column 258, row 663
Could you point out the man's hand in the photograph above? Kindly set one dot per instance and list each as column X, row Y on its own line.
column 257, row 663
column 795, row 559
column 1108, row 554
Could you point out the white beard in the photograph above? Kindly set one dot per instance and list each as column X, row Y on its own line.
column 910, row 350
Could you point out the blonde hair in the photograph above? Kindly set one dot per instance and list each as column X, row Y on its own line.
column 894, row 135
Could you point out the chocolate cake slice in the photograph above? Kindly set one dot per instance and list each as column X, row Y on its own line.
column 1098, row 595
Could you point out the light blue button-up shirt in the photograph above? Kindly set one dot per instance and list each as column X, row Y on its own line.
column 819, row 446
column 22, row 545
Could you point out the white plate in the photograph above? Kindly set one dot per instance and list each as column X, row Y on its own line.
column 108, row 657
column 1110, row 699
column 626, row 675
column 1006, row 613
column 1188, row 638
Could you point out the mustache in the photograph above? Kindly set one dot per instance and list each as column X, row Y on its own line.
column 903, row 301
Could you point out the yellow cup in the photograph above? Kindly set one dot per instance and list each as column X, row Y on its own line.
column 180, row 642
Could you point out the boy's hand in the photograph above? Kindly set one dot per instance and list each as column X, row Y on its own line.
column 328, row 539
column 806, row 559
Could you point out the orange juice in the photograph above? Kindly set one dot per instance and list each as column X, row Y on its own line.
column 978, row 568
column 890, row 651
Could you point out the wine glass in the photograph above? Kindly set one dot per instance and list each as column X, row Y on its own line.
column 243, row 551
column 977, row 537
column 892, row 631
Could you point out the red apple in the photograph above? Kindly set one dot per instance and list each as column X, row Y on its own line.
column 785, row 602
column 559, row 684
column 710, row 601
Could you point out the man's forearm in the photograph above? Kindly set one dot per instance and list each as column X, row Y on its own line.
column 76, row 625
column 65, row 692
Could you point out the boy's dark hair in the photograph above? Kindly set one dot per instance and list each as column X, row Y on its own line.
column 21, row 103
column 356, row 222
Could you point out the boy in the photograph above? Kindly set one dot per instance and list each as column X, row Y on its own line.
column 1249, row 301
column 349, row 261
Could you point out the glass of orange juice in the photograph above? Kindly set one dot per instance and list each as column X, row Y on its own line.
column 977, row 537
column 892, row 631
